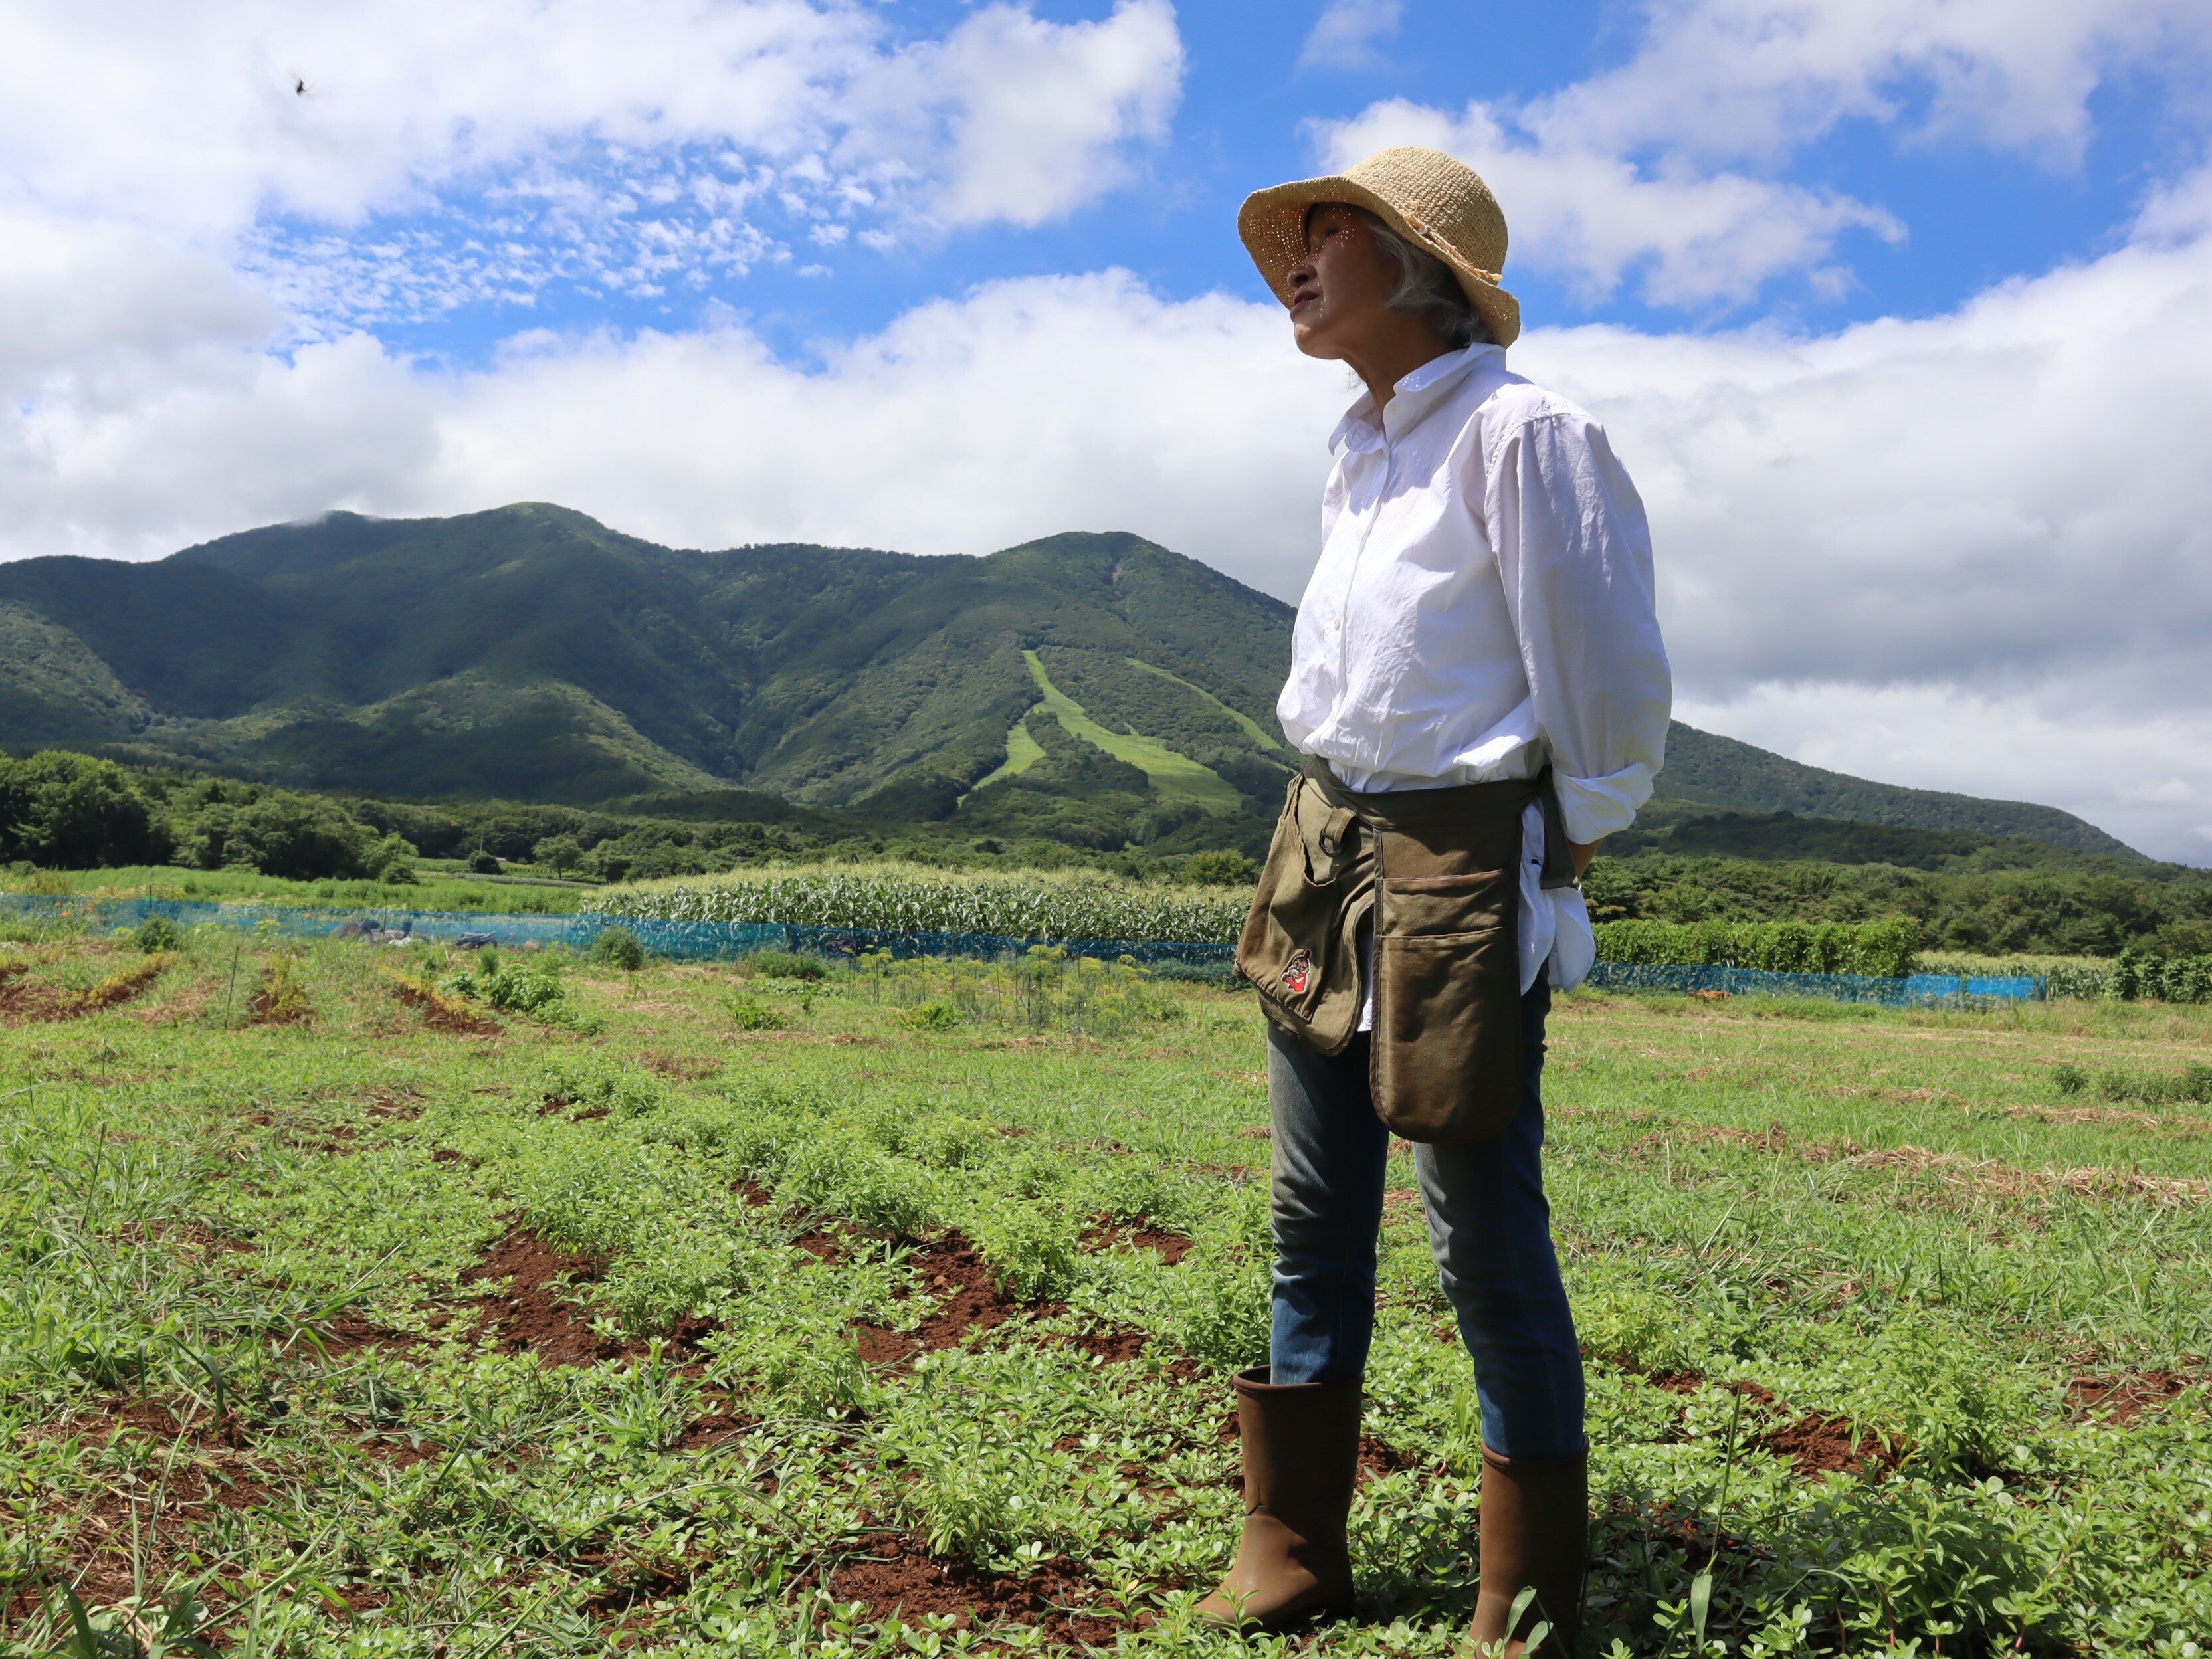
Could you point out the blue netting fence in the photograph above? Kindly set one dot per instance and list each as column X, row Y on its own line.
column 1913, row 990
column 703, row 940
column 685, row 940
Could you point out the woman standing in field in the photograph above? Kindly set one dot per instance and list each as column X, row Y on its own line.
column 1478, row 683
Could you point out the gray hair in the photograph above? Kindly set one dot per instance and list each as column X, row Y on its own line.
column 1427, row 288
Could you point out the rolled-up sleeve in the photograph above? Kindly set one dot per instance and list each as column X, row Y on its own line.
column 1575, row 553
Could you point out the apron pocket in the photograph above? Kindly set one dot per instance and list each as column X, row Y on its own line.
column 1447, row 1061
column 1448, row 906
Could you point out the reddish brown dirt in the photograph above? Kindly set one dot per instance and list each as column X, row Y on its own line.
column 1824, row 1445
column 119, row 1530
column 384, row 1102
column 968, row 1298
column 21, row 1002
column 633, row 1582
column 533, row 1314
column 691, row 1068
column 350, row 1334
column 267, row 1010
column 1141, row 1234
column 897, row 1577
column 1376, row 1459
column 537, row 1314
column 1116, row 1347
column 2125, row 1397
column 442, row 1013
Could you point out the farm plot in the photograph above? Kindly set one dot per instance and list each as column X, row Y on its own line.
column 356, row 1301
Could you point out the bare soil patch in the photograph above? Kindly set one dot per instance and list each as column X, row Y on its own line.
column 22, row 1002
column 1141, row 1234
column 534, row 1314
column 1816, row 1446
column 2126, row 1396
column 897, row 1577
column 968, row 1297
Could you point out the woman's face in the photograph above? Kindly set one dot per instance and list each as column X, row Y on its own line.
column 1341, row 291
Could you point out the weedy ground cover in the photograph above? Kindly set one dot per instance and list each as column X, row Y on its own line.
column 756, row 1309
column 433, row 889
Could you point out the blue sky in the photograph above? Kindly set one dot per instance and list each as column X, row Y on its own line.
column 1899, row 311
column 1969, row 212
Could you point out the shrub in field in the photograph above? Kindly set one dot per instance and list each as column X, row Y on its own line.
column 784, row 964
column 590, row 1087
column 1636, row 1330
column 283, row 998
column 517, row 987
column 936, row 1016
column 157, row 933
column 1219, row 1304
column 2192, row 1082
column 1031, row 905
column 1884, row 948
column 1220, row 868
column 750, row 1013
column 949, row 1140
column 1034, row 1251
column 618, row 947
column 2068, row 1079
column 837, row 1177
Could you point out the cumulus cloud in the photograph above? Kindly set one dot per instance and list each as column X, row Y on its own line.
column 1031, row 118
column 1595, row 215
column 2142, row 772
column 495, row 147
column 1663, row 171
column 1347, row 33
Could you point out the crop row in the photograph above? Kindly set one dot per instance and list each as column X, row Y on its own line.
column 1070, row 907
column 1884, row 948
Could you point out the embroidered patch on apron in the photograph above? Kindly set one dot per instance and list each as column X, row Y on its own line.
column 1295, row 974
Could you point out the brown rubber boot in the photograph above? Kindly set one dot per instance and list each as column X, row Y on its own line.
column 1535, row 1530
column 1300, row 1453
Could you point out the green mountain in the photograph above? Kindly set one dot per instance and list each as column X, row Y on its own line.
column 1092, row 688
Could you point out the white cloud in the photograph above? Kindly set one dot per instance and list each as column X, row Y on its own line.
column 1665, row 169
column 2142, row 774
column 1030, row 119
column 1753, row 80
column 1345, row 34
column 1597, row 217
column 441, row 153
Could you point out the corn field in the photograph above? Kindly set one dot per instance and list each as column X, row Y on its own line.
column 1032, row 906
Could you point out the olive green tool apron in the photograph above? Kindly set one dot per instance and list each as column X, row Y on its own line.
column 1436, row 873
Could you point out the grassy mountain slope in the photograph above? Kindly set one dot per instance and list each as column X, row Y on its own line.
column 1718, row 771
column 533, row 653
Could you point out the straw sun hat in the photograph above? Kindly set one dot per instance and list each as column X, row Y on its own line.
column 1432, row 200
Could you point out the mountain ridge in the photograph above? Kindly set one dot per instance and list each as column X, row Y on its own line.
column 531, row 653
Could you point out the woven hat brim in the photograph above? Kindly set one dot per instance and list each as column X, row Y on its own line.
column 1272, row 222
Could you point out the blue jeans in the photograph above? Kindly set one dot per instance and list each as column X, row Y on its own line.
column 1489, row 1227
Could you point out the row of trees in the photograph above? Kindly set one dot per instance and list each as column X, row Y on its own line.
column 64, row 812
column 2164, row 910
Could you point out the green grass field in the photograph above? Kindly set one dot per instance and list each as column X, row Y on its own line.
column 714, row 1309
column 437, row 888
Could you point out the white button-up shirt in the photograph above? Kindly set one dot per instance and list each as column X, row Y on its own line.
column 1483, row 605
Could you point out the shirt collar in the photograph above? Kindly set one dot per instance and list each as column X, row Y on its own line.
column 1414, row 396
